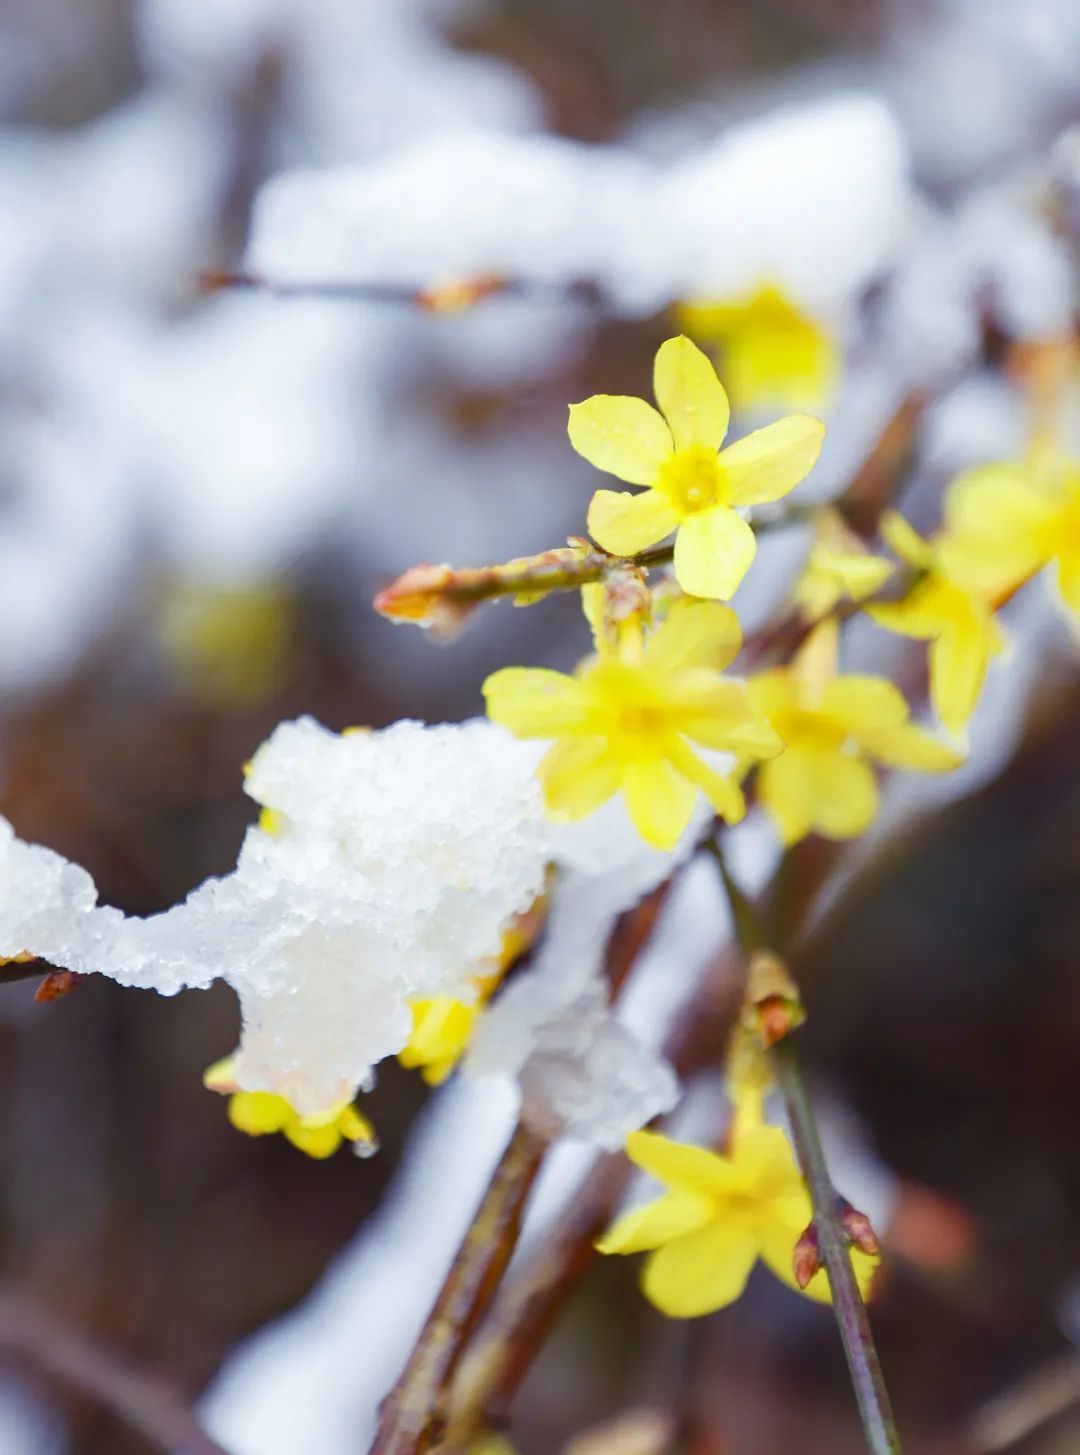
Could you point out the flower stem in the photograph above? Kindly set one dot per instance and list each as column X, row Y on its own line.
column 875, row 1409
column 871, row 1395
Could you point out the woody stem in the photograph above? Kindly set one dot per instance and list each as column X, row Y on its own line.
column 871, row 1395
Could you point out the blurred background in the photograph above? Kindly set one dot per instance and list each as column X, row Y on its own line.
column 201, row 491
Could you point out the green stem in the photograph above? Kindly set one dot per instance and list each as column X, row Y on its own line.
column 875, row 1409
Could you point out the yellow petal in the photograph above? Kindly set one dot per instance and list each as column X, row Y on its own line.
column 910, row 747
column 998, row 526
column 317, row 1142
column 678, row 1165
column 259, row 1112
column 578, row 775
column 695, row 634
column 656, row 1223
column 794, row 366
column 958, row 662
column 906, row 542
column 623, row 436
column 534, row 702
column 725, row 795
column 847, row 795
column 863, row 704
column 689, row 394
column 765, row 465
column 355, row 1127
column 659, row 800
column 923, row 612
column 713, row 552
column 717, row 713
column 701, row 1271
column 810, row 788
column 625, row 524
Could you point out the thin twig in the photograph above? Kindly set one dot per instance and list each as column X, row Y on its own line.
column 413, row 1414
column 871, row 1395
column 141, row 1400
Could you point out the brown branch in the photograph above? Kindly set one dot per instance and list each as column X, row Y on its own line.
column 413, row 1414
column 141, row 1400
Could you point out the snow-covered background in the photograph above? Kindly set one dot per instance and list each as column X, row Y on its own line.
column 200, row 491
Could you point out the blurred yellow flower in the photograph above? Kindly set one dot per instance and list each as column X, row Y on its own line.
column 718, row 1216
column 230, row 644
column 945, row 609
column 833, row 728
column 691, row 488
column 259, row 1113
column 771, row 352
column 839, row 568
column 625, row 720
column 1005, row 522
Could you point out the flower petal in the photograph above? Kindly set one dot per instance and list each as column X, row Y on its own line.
column 695, row 634
column 259, row 1112
column 998, row 525
column 660, row 802
column 534, row 702
column 713, row 552
column 906, row 542
column 910, row 747
column 958, row 663
column 317, row 1142
column 861, row 704
column 678, row 1165
column 813, row 788
column 690, row 396
column 847, row 795
column 578, row 776
column 767, row 464
column 701, row 1271
column 625, row 524
column 624, row 436
column 656, row 1223
column 724, row 794
column 1069, row 584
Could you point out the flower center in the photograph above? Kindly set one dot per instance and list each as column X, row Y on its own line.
column 693, row 479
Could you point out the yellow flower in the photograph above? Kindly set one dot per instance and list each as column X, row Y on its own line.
column 625, row 720
column 770, row 351
column 1005, row 522
column 839, row 568
column 691, row 488
column 719, row 1215
column 944, row 608
column 443, row 1025
column 261, row 1112
column 833, row 728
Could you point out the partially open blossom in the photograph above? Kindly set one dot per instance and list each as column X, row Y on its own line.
column 834, row 728
column 718, row 1216
column 690, row 487
column 944, row 607
column 625, row 721
column 259, row 1113
column 1004, row 522
column 771, row 352
column 839, row 568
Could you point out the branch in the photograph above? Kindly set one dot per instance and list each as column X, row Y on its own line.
column 413, row 1414
column 141, row 1400
column 875, row 1409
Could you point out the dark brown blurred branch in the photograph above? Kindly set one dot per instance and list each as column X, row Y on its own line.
column 139, row 1399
